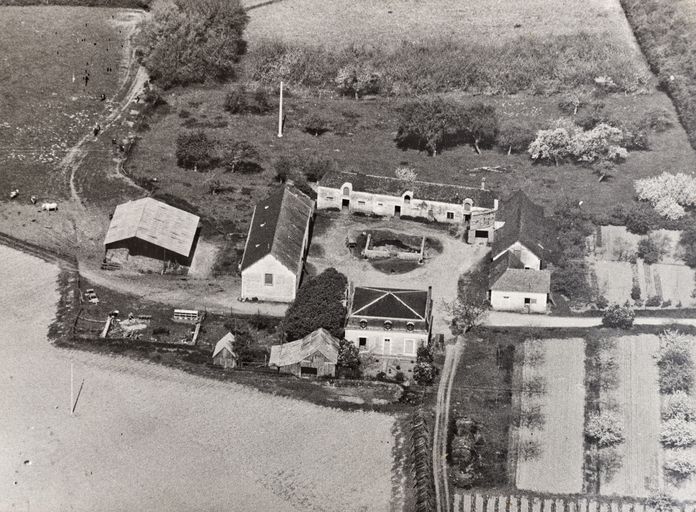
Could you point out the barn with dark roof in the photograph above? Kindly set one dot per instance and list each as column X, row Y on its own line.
column 276, row 246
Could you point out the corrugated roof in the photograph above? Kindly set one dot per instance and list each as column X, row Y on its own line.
column 226, row 342
column 524, row 222
column 293, row 352
column 389, row 303
column 428, row 191
column 154, row 222
column 278, row 227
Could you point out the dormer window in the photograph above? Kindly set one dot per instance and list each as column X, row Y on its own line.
column 407, row 199
column 387, row 325
column 468, row 203
column 410, row 326
column 346, row 191
column 363, row 324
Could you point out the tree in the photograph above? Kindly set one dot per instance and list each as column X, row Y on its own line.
column 678, row 433
column 424, row 373
column 195, row 150
column 358, row 79
column 186, row 41
column 348, row 356
column 480, row 122
column 426, row 122
column 668, row 193
column 570, row 104
column 661, row 502
column 678, row 406
column 618, row 316
column 240, row 156
column 555, row 145
column 600, row 143
column 239, row 101
column 649, row 251
column 639, row 219
column 680, row 466
column 515, row 137
column 605, row 429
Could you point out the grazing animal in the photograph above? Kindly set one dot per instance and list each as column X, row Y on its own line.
column 14, row 193
column 49, row 207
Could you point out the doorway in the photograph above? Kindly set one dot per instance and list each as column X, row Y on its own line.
column 397, row 211
column 345, row 203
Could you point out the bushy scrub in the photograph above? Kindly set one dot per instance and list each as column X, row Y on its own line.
column 604, row 429
column 240, row 101
column 515, row 137
column 618, row 316
column 195, row 150
column 649, row 251
column 188, row 41
column 680, row 466
column 675, row 363
column 678, row 433
column 678, row 405
column 567, row 140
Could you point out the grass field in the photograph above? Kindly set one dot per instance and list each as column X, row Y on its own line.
column 44, row 110
column 558, row 466
column 640, row 470
column 146, row 436
column 376, row 23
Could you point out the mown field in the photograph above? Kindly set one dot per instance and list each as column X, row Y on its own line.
column 46, row 111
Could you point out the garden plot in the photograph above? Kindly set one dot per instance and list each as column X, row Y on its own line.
column 615, row 243
column 614, row 280
column 640, row 456
column 674, row 283
column 557, row 467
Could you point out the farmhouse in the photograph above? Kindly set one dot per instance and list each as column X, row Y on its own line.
column 153, row 230
column 276, row 246
column 224, row 354
column 472, row 208
column 389, row 324
column 315, row 355
column 524, row 244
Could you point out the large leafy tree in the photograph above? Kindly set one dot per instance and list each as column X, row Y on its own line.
column 187, row 41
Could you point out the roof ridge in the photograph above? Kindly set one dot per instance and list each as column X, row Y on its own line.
column 409, row 307
column 353, row 173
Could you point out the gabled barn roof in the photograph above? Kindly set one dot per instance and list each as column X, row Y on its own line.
column 389, row 303
column 425, row 190
column 509, row 275
column 320, row 340
column 524, row 222
column 154, row 222
column 278, row 227
column 226, row 342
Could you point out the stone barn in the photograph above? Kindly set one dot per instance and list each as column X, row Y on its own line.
column 224, row 354
column 315, row 355
column 276, row 246
column 151, row 229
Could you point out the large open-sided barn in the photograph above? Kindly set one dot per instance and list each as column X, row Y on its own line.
column 153, row 230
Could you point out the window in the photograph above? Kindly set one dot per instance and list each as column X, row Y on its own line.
column 481, row 233
column 380, row 204
column 397, row 347
column 330, row 198
column 346, row 191
column 450, row 215
column 409, row 347
column 407, row 199
column 268, row 279
column 362, row 342
column 387, row 325
column 361, row 202
column 527, row 300
column 410, row 326
column 506, row 296
column 363, row 324
column 467, row 205
column 532, row 301
column 386, row 345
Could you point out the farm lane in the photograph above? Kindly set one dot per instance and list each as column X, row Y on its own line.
column 510, row 319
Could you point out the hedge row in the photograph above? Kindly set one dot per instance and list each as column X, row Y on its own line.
column 539, row 65
column 132, row 4
column 664, row 31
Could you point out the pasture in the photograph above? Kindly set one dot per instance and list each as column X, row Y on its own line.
column 374, row 23
column 145, row 436
column 46, row 105
column 550, row 438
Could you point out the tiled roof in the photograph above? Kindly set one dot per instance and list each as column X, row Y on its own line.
column 389, row 303
column 427, row 191
column 278, row 227
column 509, row 275
column 525, row 223
column 154, row 222
column 293, row 352
column 226, row 342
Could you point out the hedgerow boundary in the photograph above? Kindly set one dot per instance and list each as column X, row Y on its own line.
column 663, row 33
column 121, row 4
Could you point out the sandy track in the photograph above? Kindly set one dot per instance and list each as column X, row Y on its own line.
column 147, row 437
column 558, row 469
column 641, row 465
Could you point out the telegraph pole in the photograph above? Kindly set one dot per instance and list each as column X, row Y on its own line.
column 280, row 112
column 72, row 401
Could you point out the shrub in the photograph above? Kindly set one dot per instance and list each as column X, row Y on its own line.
column 195, row 150
column 358, row 79
column 424, row 354
column 592, row 115
column 601, row 143
column 570, row 280
column 262, row 322
column 675, row 363
column 661, row 502
column 618, row 316
column 554, row 145
column 635, row 292
column 235, row 100
column 653, row 302
column 570, row 103
column 315, row 125
column 424, row 373
column 318, row 304
column 399, row 377
column 658, row 119
column 406, row 174
column 678, row 433
column 604, row 429
column 240, row 156
column 680, row 466
column 639, row 220
column 649, row 251
column 165, row 41
column 160, row 330
column 348, row 356
column 678, row 405
column 602, row 302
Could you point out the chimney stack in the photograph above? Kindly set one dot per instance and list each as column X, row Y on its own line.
column 483, row 183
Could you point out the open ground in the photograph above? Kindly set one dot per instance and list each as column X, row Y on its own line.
column 147, row 436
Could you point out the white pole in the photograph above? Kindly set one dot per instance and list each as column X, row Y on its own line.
column 71, row 389
column 280, row 112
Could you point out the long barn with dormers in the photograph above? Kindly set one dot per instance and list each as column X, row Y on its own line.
column 470, row 207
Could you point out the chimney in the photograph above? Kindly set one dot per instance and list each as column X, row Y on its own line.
column 483, row 183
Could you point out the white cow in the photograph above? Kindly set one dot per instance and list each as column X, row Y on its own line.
column 49, row 207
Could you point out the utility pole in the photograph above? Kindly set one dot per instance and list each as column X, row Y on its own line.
column 72, row 401
column 280, row 112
